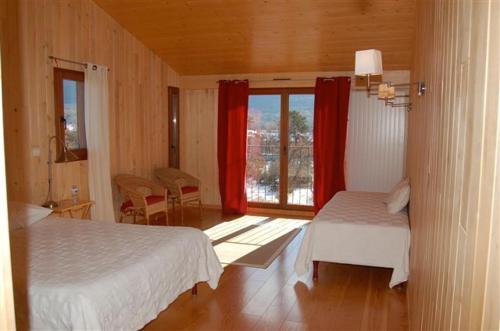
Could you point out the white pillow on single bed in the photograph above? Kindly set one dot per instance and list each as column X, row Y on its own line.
column 22, row 214
column 391, row 195
column 399, row 199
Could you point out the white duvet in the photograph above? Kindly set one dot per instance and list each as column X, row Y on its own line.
column 355, row 228
column 88, row 275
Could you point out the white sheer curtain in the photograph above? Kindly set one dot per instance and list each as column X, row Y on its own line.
column 97, row 131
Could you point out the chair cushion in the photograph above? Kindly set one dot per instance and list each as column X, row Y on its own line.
column 189, row 189
column 150, row 200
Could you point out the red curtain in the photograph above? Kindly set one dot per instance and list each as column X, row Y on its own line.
column 331, row 104
column 232, row 145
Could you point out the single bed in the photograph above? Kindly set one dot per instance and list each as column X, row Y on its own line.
column 90, row 275
column 355, row 228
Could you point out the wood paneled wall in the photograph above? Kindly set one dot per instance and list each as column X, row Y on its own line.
column 454, row 167
column 7, row 316
column 372, row 129
column 198, row 140
column 376, row 144
column 78, row 30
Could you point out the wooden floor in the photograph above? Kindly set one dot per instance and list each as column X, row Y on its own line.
column 346, row 297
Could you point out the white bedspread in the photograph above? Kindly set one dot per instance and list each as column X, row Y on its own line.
column 355, row 228
column 88, row 275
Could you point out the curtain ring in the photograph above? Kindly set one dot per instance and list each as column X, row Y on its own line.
column 94, row 67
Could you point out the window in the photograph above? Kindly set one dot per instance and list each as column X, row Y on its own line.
column 279, row 154
column 70, row 112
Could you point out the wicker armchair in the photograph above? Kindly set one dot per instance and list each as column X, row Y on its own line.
column 182, row 187
column 142, row 197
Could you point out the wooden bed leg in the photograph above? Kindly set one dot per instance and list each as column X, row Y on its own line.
column 194, row 290
column 315, row 270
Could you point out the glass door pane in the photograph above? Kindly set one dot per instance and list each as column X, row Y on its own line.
column 300, row 149
column 263, row 153
column 74, row 116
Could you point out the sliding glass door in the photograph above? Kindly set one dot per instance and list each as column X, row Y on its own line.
column 263, row 148
column 279, row 157
column 300, row 149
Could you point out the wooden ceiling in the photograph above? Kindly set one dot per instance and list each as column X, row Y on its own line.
column 256, row 36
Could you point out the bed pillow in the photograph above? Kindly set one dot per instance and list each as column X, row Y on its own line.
column 399, row 199
column 22, row 214
column 390, row 195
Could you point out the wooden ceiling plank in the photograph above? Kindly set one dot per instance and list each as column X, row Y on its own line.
column 216, row 37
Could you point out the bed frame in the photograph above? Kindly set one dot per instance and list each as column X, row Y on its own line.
column 315, row 270
column 194, row 290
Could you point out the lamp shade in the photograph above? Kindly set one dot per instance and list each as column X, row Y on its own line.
column 368, row 62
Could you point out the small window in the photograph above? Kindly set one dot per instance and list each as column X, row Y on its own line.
column 70, row 112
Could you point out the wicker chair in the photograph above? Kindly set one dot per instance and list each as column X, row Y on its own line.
column 182, row 187
column 142, row 197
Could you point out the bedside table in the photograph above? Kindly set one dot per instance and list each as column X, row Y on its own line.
column 81, row 209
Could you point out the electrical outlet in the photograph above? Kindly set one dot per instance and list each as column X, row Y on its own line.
column 35, row 151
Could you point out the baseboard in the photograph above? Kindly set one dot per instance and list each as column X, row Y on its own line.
column 207, row 206
column 268, row 211
column 281, row 212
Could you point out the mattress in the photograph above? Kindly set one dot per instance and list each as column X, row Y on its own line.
column 355, row 228
column 90, row 275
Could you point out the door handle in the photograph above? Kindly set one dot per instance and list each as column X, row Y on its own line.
column 63, row 122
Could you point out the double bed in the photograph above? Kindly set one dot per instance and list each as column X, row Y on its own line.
column 356, row 228
column 81, row 274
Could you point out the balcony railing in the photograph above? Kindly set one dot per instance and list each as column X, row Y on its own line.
column 263, row 174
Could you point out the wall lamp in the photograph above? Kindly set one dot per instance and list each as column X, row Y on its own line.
column 369, row 63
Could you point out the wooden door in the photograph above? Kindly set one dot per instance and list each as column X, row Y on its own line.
column 173, row 127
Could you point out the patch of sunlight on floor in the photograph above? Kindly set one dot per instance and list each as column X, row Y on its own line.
column 230, row 252
column 227, row 228
column 261, row 231
column 267, row 232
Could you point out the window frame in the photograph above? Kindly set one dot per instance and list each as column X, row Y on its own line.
column 284, row 92
column 60, row 75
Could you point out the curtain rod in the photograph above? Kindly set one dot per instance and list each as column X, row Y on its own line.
column 54, row 58
column 275, row 80
column 353, row 88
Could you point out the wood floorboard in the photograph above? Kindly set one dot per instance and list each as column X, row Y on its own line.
column 346, row 297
